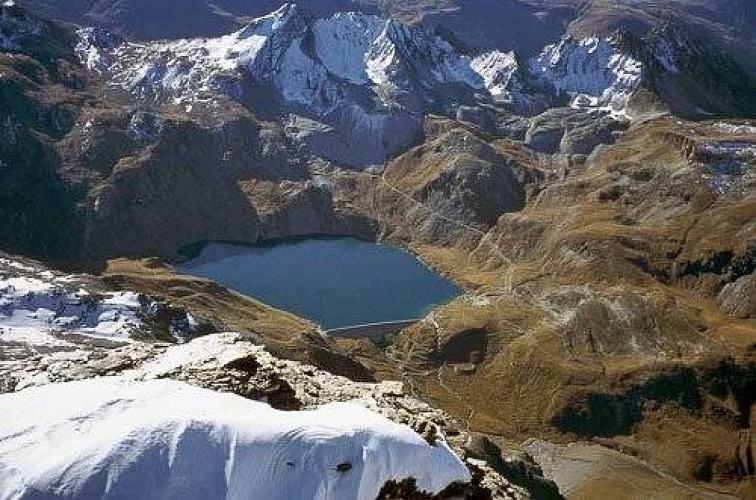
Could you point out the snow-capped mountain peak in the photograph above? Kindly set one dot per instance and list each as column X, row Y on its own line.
column 343, row 42
column 299, row 56
column 592, row 71
column 315, row 63
column 267, row 25
column 496, row 68
column 357, row 74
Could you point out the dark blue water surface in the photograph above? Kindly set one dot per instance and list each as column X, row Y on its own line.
column 335, row 282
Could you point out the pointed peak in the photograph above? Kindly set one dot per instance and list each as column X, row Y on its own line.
column 285, row 12
column 268, row 24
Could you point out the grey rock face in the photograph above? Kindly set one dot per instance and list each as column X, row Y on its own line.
column 355, row 138
column 739, row 298
column 311, row 207
column 474, row 191
column 569, row 131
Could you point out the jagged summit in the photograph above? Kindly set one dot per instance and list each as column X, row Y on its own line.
column 365, row 80
column 354, row 87
column 272, row 21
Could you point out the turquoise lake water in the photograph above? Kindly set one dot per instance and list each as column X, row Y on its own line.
column 334, row 282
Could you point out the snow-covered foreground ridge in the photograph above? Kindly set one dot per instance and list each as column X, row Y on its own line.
column 317, row 64
column 131, row 417
column 119, row 438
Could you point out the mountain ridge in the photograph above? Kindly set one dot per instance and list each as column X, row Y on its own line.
column 594, row 198
column 386, row 74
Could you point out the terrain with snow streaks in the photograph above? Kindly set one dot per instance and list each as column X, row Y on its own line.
column 42, row 309
column 111, row 438
column 358, row 79
column 591, row 71
column 34, row 307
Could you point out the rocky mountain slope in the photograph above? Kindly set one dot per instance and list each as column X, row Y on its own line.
column 130, row 375
column 287, row 98
column 605, row 238
column 354, row 87
column 616, row 300
column 357, row 85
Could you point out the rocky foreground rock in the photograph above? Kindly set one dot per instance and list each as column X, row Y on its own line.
column 229, row 363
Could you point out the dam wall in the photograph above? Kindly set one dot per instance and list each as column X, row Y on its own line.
column 377, row 332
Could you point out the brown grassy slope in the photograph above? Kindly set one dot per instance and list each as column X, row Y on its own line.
column 594, row 308
column 282, row 333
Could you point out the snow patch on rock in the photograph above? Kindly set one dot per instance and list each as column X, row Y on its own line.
column 44, row 308
column 188, row 69
column 497, row 70
column 92, row 47
column 32, row 309
column 593, row 72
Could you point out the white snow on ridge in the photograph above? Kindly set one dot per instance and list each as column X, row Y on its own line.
column 405, row 57
column 124, row 439
column 591, row 71
column 358, row 49
column 342, row 43
column 92, row 45
column 187, row 68
column 319, row 65
column 32, row 309
column 381, row 60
